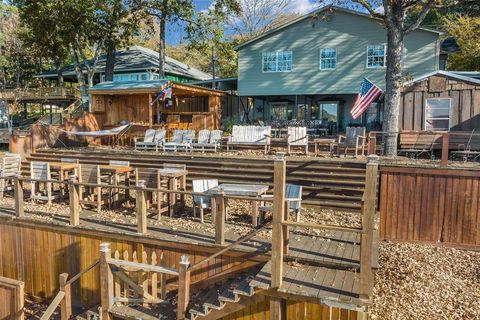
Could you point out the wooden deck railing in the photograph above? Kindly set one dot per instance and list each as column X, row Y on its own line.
column 38, row 93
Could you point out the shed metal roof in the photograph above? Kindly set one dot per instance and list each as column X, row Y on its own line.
column 130, row 85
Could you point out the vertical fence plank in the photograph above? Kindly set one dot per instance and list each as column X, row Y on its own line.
column 74, row 199
column 141, row 202
column 183, row 287
column 19, row 207
column 106, row 281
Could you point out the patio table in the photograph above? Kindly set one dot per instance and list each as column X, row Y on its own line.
column 114, row 173
column 63, row 168
column 231, row 189
column 174, row 176
column 324, row 142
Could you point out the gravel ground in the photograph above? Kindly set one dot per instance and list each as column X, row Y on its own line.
column 415, row 281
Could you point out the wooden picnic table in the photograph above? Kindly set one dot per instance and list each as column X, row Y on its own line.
column 115, row 172
column 175, row 178
column 230, row 189
column 324, row 142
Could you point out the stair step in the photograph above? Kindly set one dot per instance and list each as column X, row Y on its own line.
column 127, row 313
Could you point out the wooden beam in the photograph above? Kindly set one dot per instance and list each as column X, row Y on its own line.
column 141, row 204
column 19, row 207
column 445, row 142
column 66, row 304
column 74, row 195
column 53, row 305
column 150, row 110
column 183, row 295
column 220, row 220
column 279, row 179
column 106, row 282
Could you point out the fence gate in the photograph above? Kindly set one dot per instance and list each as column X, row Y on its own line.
column 11, row 299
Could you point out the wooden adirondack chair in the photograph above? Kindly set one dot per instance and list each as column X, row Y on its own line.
column 293, row 195
column 9, row 169
column 147, row 142
column 160, row 138
column 176, row 141
column 297, row 137
column 202, row 141
column 216, row 139
column 354, row 138
column 41, row 170
column 202, row 202
column 92, row 196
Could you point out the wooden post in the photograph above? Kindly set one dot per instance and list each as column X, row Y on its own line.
column 220, row 220
column 150, row 111
column 106, row 281
column 141, row 202
column 183, row 287
column 66, row 304
column 279, row 178
column 368, row 216
column 19, row 207
column 286, row 229
column 445, row 144
column 372, row 144
column 74, row 199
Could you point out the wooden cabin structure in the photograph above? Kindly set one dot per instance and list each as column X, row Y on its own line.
column 148, row 104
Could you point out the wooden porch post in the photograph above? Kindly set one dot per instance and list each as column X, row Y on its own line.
column 368, row 216
column 74, row 194
column 141, row 204
column 66, row 304
column 372, row 144
column 445, row 144
column 279, row 178
column 183, row 287
column 220, row 219
column 150, row 111
column 19, row 208
column 106, row 281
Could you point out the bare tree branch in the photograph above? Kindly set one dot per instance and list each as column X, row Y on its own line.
column 423, row 13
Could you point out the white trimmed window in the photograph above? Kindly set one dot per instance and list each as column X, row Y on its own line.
column 376, row 56
column 328, row 59
column 437, row 114
column 279, row 61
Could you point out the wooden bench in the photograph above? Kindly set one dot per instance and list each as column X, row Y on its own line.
column 250, row 136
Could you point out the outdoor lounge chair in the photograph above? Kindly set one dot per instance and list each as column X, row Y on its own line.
column 297, row 137
column 10, row 168
column 153, row 142
column 354, row 138
column 250, row 136
column 202, row 202
column 293, row 195
column 208, row 140
column 181, row 141
column 41, row 170
column 465, row 151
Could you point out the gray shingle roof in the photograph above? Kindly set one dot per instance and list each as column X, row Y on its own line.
column 138, row 58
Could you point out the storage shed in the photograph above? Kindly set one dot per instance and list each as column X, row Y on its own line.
column 440, row 101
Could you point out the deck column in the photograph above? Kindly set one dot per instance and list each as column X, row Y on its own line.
column 74, row 195
column 279, row 179
column 368, row 216
column 106, row 281
column 19, row 208
column 183, row 287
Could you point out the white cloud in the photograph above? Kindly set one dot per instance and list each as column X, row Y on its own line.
column 302, row 6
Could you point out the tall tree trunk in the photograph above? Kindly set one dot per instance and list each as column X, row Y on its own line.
column 393, row 79
column 59, row 73
column 161, row 49
column 80, row 78
column 110, row 63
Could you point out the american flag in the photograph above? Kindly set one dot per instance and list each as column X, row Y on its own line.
column 368, row 93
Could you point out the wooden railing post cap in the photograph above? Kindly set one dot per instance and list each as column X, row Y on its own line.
column 373, row 159
column 104, row 247
column 280, row 156
column 185, row 260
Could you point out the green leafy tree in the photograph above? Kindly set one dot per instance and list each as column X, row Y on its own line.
column 466, row 31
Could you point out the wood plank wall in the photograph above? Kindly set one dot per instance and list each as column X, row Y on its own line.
column 37, row 255
column 294, row 310
column 465, row 106
column 434, row 205
column 11, row 299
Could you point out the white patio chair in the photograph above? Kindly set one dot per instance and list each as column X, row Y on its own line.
column 10, row 168
column 202, row 202
column 297, row 137
column 202, row 141
column 40, row 170
column 147, row 142
column 176, row 141
column 293, row 195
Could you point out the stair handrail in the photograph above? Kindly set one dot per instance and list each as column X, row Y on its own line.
column 64, row 296
column 230, row 246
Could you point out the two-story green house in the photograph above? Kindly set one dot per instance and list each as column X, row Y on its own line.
column 311, row 68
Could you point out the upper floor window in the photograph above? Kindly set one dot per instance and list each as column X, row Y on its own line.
column 328, row 59
column 279, row 61
column 437, row 114
column 376, row 56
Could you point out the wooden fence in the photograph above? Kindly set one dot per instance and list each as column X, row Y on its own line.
column 11, row 299
column 434, row 205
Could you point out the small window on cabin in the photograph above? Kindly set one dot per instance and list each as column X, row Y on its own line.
column 376, row 56
column 280, row 61
column 437, row 114
column 328, row 59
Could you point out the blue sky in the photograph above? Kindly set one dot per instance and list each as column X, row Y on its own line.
column 175, row 34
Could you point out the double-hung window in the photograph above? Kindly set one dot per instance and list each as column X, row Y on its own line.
column 279, row 61
column 328, row 59
column 376, row 56
column 437, row 114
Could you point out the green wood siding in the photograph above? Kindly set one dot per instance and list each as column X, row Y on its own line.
column 349, row 34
